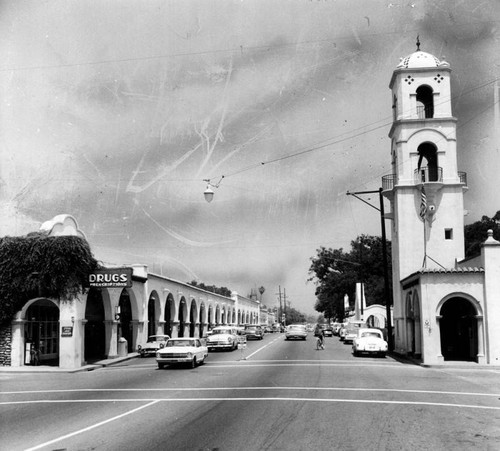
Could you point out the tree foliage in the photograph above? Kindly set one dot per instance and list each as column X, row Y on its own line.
column 223, row 291
column 336, row 273
column 477, row 232
column 39, row 265
column 293, row 316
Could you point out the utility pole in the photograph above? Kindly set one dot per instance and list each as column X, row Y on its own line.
column 281, row 309
column 284, row 303
column 387, row 290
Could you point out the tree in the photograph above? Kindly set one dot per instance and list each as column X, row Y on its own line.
column 336, row 273
column 40, row 265
column 293, row 316
column 475, row 234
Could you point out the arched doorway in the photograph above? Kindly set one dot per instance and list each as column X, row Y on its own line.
column 95, row 334
column 458, row 328
column 192, row 318
column 202, row 319
column 151, row 316
column 169, row 314
column 410, row 325
column 41, row 332
column 210, row 317
column 125, row 326
column 182, row 317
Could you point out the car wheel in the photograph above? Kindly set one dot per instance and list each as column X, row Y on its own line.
column 160, row 365
column 355, row 353
column 194, row 363
column 382, row 354
column 305, row 338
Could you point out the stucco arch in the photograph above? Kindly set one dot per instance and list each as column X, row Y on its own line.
column 193, row 317
column 457, row 294
column 21, row 314
column 169, row 314
column 460, row 328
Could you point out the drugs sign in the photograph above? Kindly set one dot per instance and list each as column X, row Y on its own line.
column 111, row 278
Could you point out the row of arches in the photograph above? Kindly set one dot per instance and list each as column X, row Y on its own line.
column 105, row 319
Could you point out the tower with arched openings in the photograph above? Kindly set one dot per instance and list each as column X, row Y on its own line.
column 445, row 307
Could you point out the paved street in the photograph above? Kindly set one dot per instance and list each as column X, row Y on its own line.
column 275, row 395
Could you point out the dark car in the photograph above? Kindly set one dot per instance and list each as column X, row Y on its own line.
column 328, row 331
column 254, row 332
column 318, row 328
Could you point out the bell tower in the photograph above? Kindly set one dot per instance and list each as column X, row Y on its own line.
column 425, row 188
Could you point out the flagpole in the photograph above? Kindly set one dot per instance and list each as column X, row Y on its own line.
column 423, row 214
column 424, row 265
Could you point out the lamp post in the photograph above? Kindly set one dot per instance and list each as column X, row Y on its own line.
column 387, row 291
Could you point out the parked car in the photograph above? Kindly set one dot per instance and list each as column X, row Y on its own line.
column 352, row 329
column 342, row 333
column 154, row 343
column 254, row 332
column 369, row 341
column 297, row 331
column 191, row 351
column 328, row 331
column 223, row 337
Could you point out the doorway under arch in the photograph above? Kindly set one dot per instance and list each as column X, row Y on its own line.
column 458, row 329
column 182, row 317
column 41, row 330
column 95, row 333
column 125, row 325
column 169, row 314
column 192, row 319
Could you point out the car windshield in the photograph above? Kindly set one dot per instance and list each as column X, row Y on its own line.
column 297, row 327
column 156, row 338
column 221, row 331
column 370, row 334
column 180, row 343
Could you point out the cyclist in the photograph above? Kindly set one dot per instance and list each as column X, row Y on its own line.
column 321, row 339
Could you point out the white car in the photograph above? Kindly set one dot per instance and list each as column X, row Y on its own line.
column 352, row 329
column 154, row 343
column 369, row 341
column 182, row 350
column 223, row 337
column 296, row 331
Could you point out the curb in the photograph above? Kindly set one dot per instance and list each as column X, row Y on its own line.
column 48, row 369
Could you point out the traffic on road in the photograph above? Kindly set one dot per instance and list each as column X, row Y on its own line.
column 272, row 393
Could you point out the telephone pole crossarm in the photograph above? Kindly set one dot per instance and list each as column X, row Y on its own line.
column 387, row 290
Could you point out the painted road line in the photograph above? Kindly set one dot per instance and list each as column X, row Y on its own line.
column 89, row 428
column 245, row 399
column 205, row 389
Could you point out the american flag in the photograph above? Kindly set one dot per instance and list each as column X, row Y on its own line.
column 423, row 204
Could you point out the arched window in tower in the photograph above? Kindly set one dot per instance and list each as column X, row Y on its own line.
column 428, row 163
column 425, row 102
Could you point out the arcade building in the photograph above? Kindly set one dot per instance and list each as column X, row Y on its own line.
column 119, row 305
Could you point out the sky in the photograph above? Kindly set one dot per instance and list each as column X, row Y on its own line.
column 116, row 113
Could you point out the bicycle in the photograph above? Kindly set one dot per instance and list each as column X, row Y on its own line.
column 320, row 344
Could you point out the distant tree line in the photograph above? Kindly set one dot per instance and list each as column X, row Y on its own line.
column 477, row 232
column 223, row 291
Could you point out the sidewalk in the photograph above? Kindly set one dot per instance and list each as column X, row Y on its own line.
column 55, row 369
column 451, row 364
